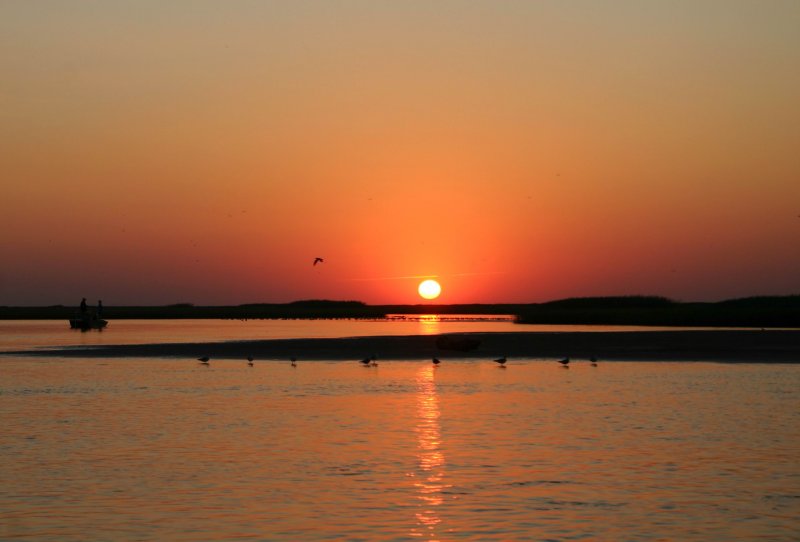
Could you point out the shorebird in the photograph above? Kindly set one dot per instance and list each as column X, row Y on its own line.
column 250, row 360
column 501, row 361
column 594, row 361
column 564, row 363
column 436, row 361
column 294, row 361
column 318, row 260
column 204, row 360
column 366, row 362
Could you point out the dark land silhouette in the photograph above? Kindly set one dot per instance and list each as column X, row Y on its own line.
column 772, row 311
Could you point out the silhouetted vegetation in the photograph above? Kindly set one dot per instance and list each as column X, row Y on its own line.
column 328, row 304
column 619, row 302
column 775, row 311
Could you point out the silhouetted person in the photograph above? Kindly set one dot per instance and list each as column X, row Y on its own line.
column 99, row 308
column 83, row 306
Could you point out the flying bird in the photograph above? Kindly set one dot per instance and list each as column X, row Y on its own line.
column 564, row 363
column 436, row 361
column 366, row 362
column 318, row 260
column 203, row 360
column 501, row 361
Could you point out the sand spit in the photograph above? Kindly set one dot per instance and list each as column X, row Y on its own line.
column 771, row 346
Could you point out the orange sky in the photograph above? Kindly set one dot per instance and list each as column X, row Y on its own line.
column 206, row 152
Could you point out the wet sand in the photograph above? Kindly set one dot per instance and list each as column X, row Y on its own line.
column 755, row 346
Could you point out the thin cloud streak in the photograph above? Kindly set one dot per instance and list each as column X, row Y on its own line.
column 406, row 277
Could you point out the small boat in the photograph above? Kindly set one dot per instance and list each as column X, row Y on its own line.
column 87, row 322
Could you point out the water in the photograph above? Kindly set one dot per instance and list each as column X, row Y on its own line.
column 152, row 449
column 29, row 334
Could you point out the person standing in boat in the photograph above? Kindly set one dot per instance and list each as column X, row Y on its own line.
column 83, row 306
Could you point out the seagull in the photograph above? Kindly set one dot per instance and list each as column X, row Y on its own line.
column 294, row 361
column 501, row 361
column 436, row 361
column 318, row 260
column 594, row 361
column 250, row 360
column 366, row 362
column 203, row 360
column 564, row 363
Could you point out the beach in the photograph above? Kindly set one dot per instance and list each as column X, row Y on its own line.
column 753, row 346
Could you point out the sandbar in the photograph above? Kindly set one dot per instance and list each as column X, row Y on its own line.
column 754, row 346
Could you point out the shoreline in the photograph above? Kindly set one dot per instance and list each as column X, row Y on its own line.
column 750, row 346
column 635, row 310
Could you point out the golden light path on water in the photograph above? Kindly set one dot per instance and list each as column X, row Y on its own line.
column 430, row 477
column 429, row 324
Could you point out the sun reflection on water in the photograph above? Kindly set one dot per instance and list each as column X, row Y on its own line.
column 429, row 324
column 430, row 474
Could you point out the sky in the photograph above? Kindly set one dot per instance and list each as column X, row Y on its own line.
column 207, row 152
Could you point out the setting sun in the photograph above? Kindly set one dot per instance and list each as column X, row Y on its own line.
column 429, row 289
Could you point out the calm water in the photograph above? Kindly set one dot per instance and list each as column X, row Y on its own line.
column 25, row 334
column 28, row 334
column 150, row 449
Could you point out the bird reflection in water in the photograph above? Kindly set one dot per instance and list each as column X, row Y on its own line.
column 430, row 473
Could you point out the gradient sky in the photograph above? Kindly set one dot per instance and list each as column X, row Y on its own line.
column 206, row 152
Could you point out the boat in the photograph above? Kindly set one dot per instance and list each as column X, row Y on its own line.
column 87, row 322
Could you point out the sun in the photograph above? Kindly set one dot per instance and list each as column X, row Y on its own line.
column 429, row 289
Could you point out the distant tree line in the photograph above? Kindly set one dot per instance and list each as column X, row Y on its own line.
column 774, row 311
column 771, row 311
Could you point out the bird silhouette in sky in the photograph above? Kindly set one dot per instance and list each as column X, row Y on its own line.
column 564, row 363
column 501, row 361
column 318, row 260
